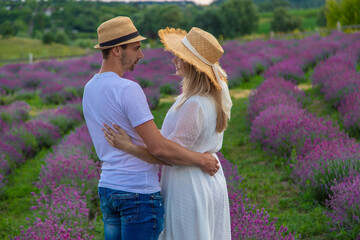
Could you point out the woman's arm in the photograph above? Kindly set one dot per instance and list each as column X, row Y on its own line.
column 120, row 140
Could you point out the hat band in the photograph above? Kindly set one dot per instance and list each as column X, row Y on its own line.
column 225, row 94
column 120, row 39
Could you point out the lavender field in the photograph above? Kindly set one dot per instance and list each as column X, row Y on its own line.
column 41, row 118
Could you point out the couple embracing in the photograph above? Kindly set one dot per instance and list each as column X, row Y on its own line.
column 193, row 203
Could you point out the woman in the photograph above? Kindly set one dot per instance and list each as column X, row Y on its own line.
column 196, row 204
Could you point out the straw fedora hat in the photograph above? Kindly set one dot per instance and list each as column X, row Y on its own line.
column 117, row 31
column 204, row 44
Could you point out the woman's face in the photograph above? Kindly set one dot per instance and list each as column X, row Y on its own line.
column 180, row 66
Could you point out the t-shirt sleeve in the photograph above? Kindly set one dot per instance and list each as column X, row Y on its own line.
column 189, row 124
column 135, row 105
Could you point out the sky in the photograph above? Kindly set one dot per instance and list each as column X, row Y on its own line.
column 199, row 2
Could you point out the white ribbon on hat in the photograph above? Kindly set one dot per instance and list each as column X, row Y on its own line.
column 225, row 94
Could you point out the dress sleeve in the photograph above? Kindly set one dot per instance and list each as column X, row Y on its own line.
column 189, row 124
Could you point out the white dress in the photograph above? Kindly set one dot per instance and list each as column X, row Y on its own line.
column 196, row 204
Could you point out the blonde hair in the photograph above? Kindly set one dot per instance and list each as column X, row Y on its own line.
column 198, row 83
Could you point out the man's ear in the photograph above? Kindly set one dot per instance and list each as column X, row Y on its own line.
column 116, row 51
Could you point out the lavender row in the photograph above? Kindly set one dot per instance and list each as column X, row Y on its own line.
column 320, row 155
column 23, row 139
column 340, row 83
column 55, row 81
column 280, row 58
column 68, row 184
column 307, row 53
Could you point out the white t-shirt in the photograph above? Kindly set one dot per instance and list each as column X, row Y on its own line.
column 109, row 99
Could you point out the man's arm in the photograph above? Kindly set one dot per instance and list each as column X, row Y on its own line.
column 159, row 149
column 120, row 140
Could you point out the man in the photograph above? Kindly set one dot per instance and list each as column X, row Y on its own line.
column 128, row 187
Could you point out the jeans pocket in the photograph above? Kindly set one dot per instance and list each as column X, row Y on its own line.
column 127, row 204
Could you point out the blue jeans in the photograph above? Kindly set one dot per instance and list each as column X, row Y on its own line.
column 131, row 216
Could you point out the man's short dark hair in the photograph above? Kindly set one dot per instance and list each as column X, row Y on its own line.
column 106, row 52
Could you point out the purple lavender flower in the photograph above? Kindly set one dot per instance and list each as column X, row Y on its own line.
column 75, row 170
column 289, row 70
column 45, row 133
column 53, row 93
column 72, row 163
column 271, row 92
column 63, row 214
column 340, row 85
column 8, row 85
column 329, row 161
column 26, row 140
column 77, row 142
column 350, row 110
column 332, row 66
column 153, row 96
column 32, row 77
column 10, row 153
column 65, row 117
column 345, row 206
column 282, row 128
column 15, row 112
column 4, row 127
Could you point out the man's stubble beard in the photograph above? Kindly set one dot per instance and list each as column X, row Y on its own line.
column 124, row 62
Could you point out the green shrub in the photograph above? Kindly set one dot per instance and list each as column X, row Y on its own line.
column 61, row 37
column 168, row 89
column 284, row 22
column 48, row 38
column 30, row 143
column 145, row 82
column 64, row 123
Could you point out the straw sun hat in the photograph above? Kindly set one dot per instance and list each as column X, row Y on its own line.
column 203, row 51
column 117, row 31
column 204, row 45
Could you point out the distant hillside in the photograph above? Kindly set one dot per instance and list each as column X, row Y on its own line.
column 15, row 48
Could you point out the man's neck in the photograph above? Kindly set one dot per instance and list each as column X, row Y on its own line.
column 108, row 66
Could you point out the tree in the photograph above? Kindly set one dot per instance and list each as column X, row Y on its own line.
column 347, row 12
column 7, row 29
column 208, row 19
column 155, row 17
column 284, row 22
column 238, row 17
column 321, row 18
column 41, row 21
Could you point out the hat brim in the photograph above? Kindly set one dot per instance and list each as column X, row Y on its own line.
column 172, row 40
column 136, row 39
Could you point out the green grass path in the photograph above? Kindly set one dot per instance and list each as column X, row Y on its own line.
column 16, row 198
